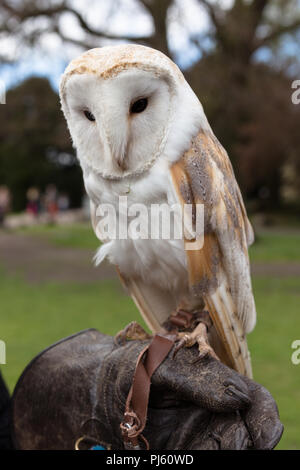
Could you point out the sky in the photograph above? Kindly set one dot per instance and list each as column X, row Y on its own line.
column 51, row 56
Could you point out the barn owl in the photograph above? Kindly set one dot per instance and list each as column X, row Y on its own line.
column 140, row 132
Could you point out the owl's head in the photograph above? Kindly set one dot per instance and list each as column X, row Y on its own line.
column 126, row 106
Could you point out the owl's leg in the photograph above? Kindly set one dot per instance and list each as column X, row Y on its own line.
column 199, row 335
column 132, row 331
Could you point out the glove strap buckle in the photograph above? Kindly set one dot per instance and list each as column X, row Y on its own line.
column 130, row 428
column 135, row 414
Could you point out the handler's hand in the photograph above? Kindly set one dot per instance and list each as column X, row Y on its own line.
column 206, row 405
column 78, row 388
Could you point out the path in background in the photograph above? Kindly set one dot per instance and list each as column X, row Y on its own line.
column 39, row 260
column 50, row 289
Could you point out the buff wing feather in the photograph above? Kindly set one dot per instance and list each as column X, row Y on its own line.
column 219, row 272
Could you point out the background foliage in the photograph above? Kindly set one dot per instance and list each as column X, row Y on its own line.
column 240, row 57
column 241, row 62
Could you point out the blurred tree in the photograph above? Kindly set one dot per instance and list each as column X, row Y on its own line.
column 239, row 69
column 35, row 148
column 253, row 115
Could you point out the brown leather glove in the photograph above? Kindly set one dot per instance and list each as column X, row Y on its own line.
column 5, row 440
column 76, row 390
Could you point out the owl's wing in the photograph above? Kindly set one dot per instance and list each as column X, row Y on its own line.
column 219, row 271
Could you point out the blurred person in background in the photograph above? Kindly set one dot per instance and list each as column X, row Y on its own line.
column 242, row 58
column 5, row 200
column 63, row 202
column 33, row 206
column 51, row 203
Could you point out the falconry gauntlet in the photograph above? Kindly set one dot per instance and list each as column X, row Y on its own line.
column 73, row 395
column 5, row 439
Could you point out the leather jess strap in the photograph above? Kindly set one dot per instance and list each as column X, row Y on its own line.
column 136, row 408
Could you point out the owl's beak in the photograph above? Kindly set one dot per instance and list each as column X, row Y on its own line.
column 119, row 148
column 115, row 133
column 121, row 162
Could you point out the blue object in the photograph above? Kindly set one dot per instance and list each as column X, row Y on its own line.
column 97, row 447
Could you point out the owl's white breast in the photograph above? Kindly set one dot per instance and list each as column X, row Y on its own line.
column 161, row 262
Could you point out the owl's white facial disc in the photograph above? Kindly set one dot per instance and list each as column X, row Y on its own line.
column 119, row 125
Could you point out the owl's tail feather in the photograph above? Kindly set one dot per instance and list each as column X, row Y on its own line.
column 229, row 329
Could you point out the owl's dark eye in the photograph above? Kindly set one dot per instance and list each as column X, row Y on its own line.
column 139, row 106
column 89, row 115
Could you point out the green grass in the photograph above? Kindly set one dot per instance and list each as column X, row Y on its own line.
column 270, row 344
column 268, row 247
column 34, row 316
column 78, row 235
column 276, row 247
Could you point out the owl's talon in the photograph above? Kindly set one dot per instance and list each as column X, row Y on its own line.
column 199, row 358
column 203, row 345
column 199, row 336
column 180, row 344
column 133, row 331
column 204, row 353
